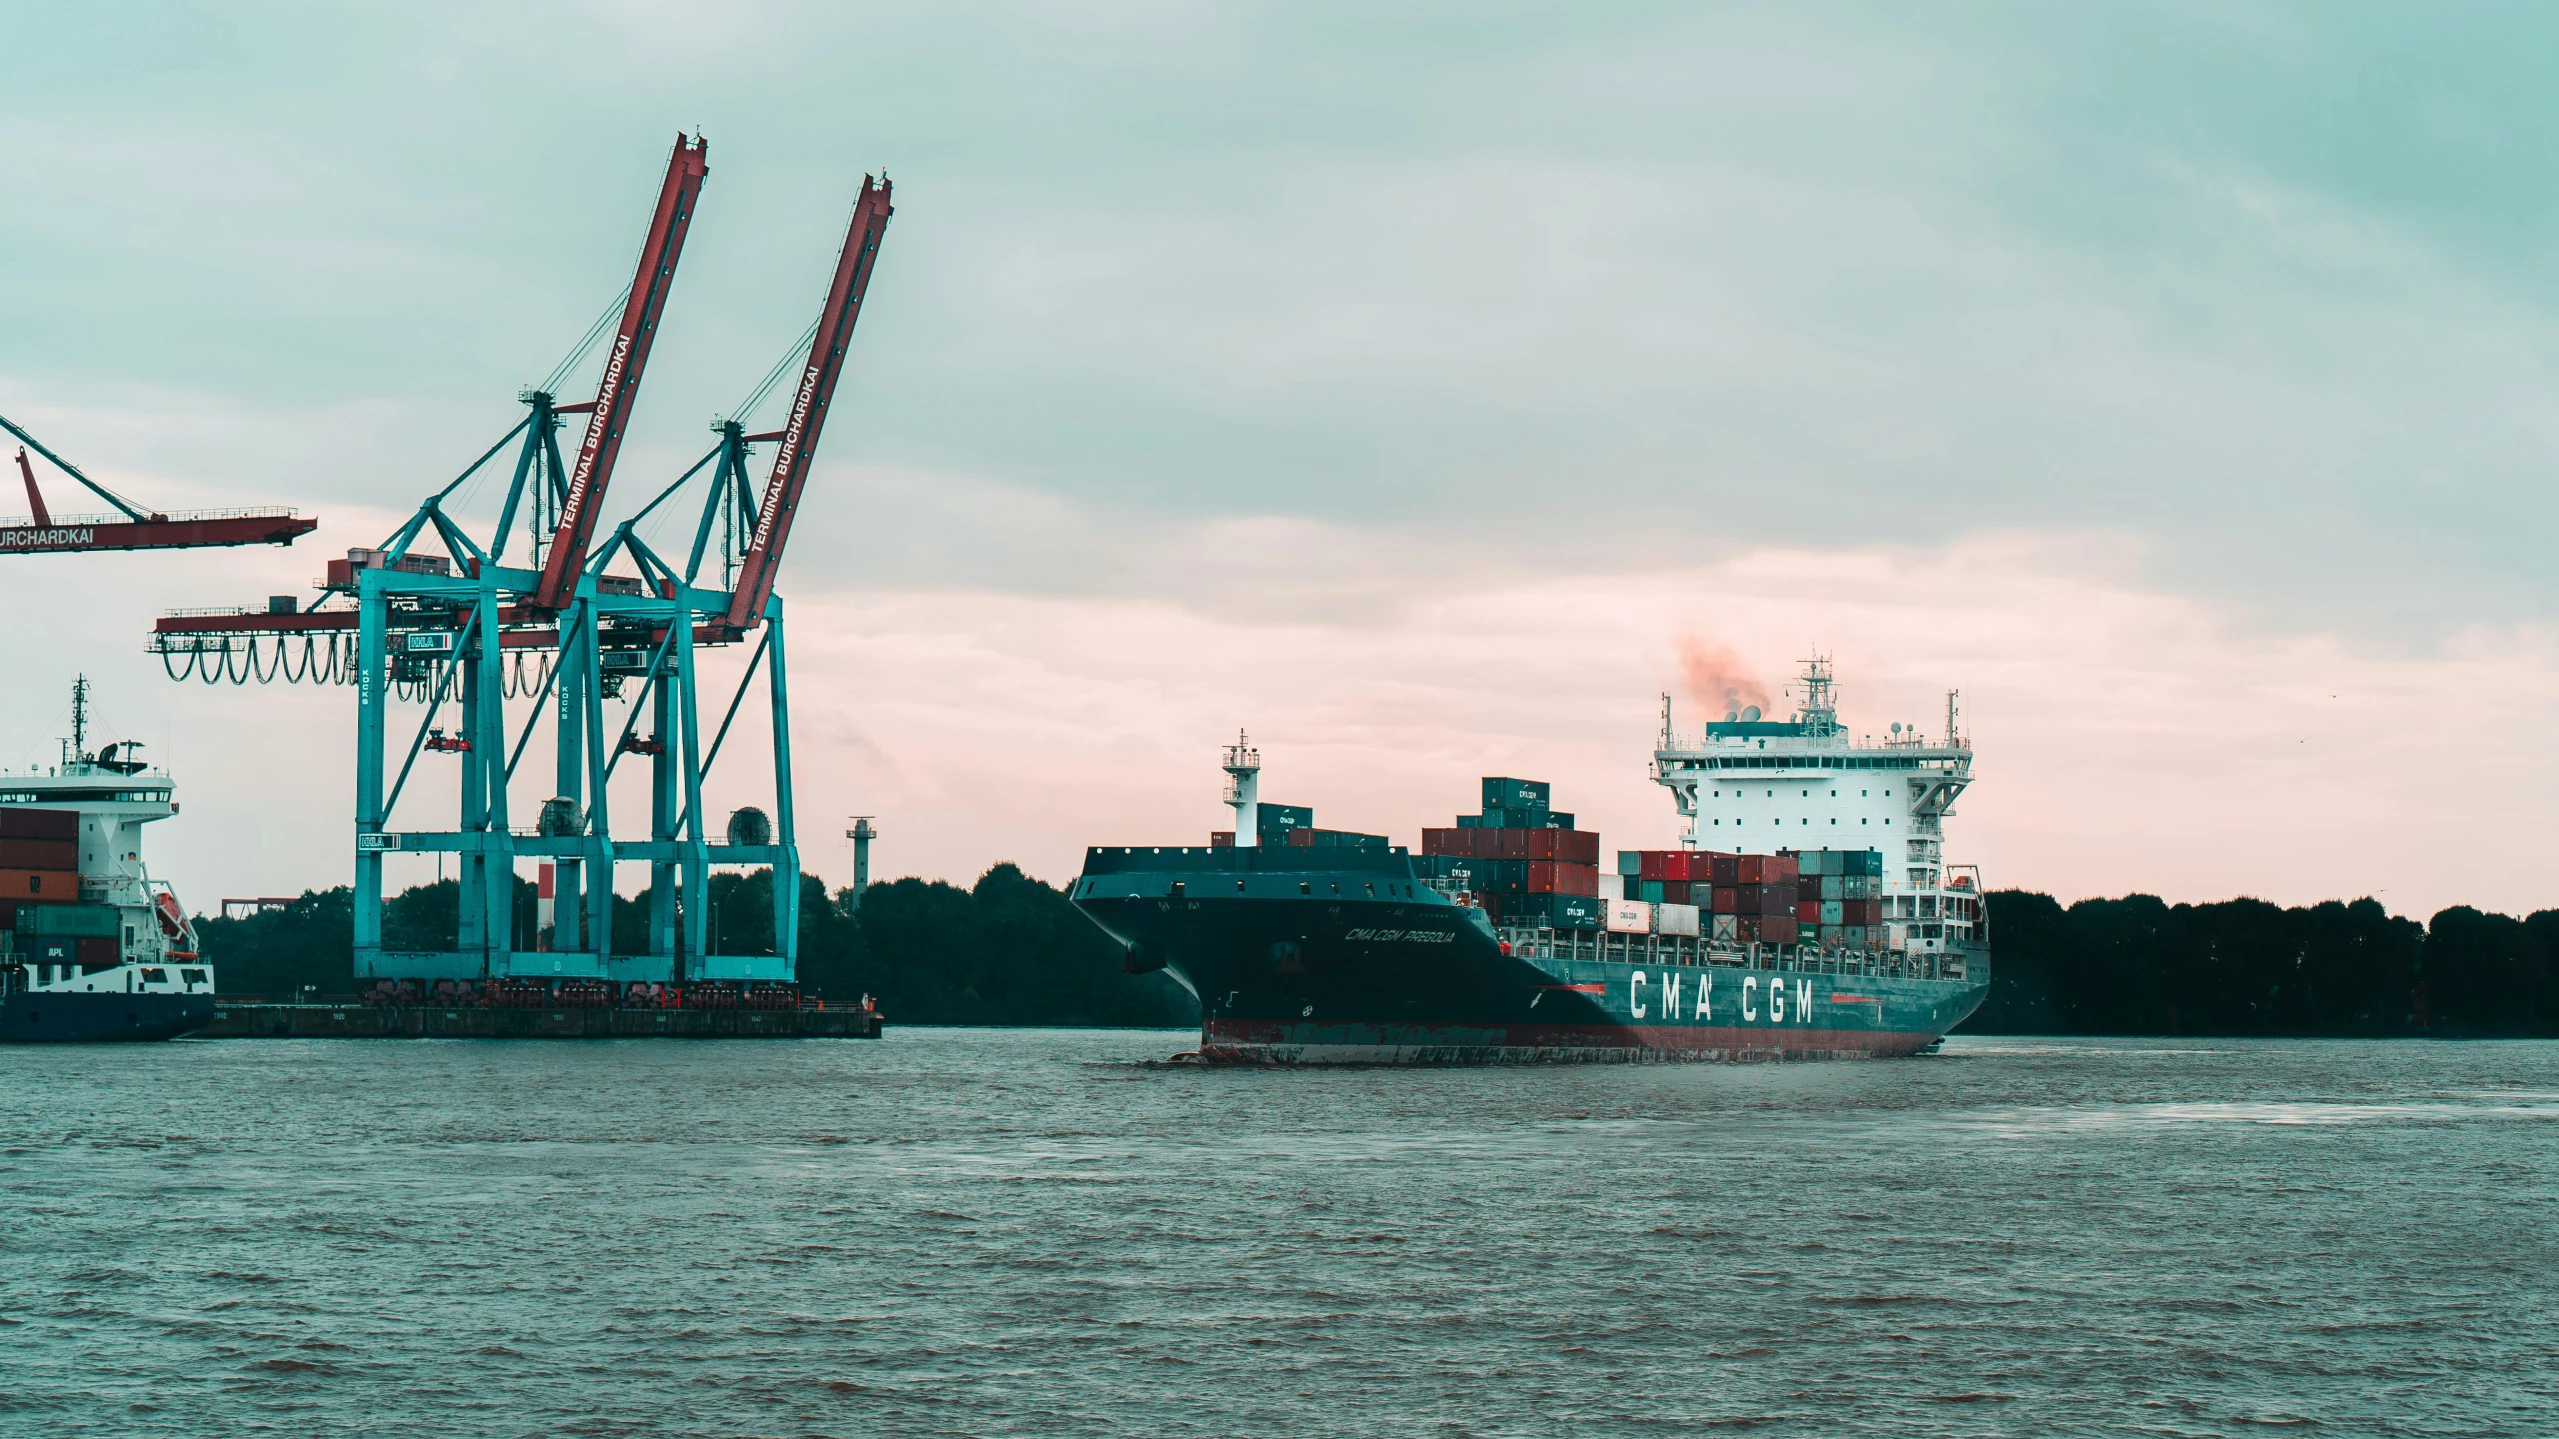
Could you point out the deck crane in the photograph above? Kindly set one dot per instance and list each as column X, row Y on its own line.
column 453, row 632
column 132, row 528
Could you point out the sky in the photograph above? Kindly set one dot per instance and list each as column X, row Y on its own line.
column 1407, row 386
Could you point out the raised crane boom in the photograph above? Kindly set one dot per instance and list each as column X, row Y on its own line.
column 809, row 402
column 629, row 356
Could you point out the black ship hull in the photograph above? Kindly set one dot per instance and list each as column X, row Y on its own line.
column 38, row 1017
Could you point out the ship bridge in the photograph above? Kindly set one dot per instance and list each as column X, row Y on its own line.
column 1748, row 785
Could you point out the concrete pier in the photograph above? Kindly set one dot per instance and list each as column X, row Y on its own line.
column 360, row 1021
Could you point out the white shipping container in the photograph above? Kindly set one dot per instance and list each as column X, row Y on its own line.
column 1612, row 886
column 1727, row 926
column 1675, row 919
column 1629, row 916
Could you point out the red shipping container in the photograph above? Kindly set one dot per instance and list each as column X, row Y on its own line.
column 1541, row 844
column 1725, row 870
column 1436, row 841
column 1513, row 843
column 1783, row 868
column 1580, row 879
column 98, row 950
column 1674, row 891
column 1580, row 846
column 1221, row 839
column 1651, row 864
column 1724, row 899
column 39, row 854
column 1809, row 911
column 55, row 824
column 1777, row 901
column 1679, row 865
column 60, row 886
column 1750, row 869
column 1541, row 876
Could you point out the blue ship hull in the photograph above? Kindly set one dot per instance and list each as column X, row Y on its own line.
column 77, row 1018
column 1352, row 961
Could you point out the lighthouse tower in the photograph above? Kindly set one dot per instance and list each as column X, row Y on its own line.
column 862, row 833
column 1243, row 788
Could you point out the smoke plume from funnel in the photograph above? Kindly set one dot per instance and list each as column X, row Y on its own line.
column 1717, row 679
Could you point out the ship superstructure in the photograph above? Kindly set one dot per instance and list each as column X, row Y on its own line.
column 1748, row 785
column 92, row 946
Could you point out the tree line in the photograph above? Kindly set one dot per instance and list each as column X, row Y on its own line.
column 2139, row 965
column 1010, row 949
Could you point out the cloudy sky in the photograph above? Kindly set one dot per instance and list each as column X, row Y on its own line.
column 1408, row 386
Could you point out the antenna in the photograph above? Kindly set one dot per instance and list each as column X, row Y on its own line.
column 80, row 718
column 1954, row 712
column 1666, row 742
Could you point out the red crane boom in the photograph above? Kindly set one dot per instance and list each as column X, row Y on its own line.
column 809, row 402
column 611, row 411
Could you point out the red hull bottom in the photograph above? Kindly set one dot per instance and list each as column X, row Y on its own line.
column 1228, row 1041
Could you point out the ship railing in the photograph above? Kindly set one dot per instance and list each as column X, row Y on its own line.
column 1685, row 950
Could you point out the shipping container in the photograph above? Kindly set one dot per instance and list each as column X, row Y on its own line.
column 1856, row 886
column 1277, row 818
column 1830, row 886
column 1563, row 911
column 1581, row 846
column 1630, row 862
column 1513, row 843
column 49, row 951
column 1504, row 793
column 1221, row 839
column 1613, row 886
column 1649, row 890
column 1810, row 861
column 1726, row 927
column 1853, row 935
column 61, row 885
column 1626, row 916
column 1515, row 819
column 1808, row 910
column 1675, row 919
column 1674, row 891
column 39, row 854
column 55, row 824
column 1558, row 819
column 1727, row 898
column 1751, row 869
column 1725, row 870
column 99, row 951
column 71, row 920
column 1832, row 911
column 1470, row 821
column 1782, row 869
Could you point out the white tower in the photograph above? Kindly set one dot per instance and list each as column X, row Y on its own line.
column 1244, row 788
column 861, row 834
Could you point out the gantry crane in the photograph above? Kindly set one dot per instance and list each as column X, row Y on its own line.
column 457, row 628
column 132, row 528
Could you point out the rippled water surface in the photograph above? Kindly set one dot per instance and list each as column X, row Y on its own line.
column 1005, row 1232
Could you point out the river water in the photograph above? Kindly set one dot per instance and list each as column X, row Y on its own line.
column 1041, row 1232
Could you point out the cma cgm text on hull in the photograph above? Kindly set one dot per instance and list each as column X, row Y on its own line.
column 1508, row 941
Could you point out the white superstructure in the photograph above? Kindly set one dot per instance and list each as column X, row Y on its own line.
column 1748, row 785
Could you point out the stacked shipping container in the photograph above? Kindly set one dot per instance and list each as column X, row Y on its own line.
column 1522, row 859
column 40, row 909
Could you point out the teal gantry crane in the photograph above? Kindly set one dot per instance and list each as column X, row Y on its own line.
column 598, row 622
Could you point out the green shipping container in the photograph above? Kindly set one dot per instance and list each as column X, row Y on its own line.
column 71, row 921
column 1630, row 862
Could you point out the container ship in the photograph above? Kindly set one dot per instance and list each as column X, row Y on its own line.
column 91, row 946
column 1807, row 912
